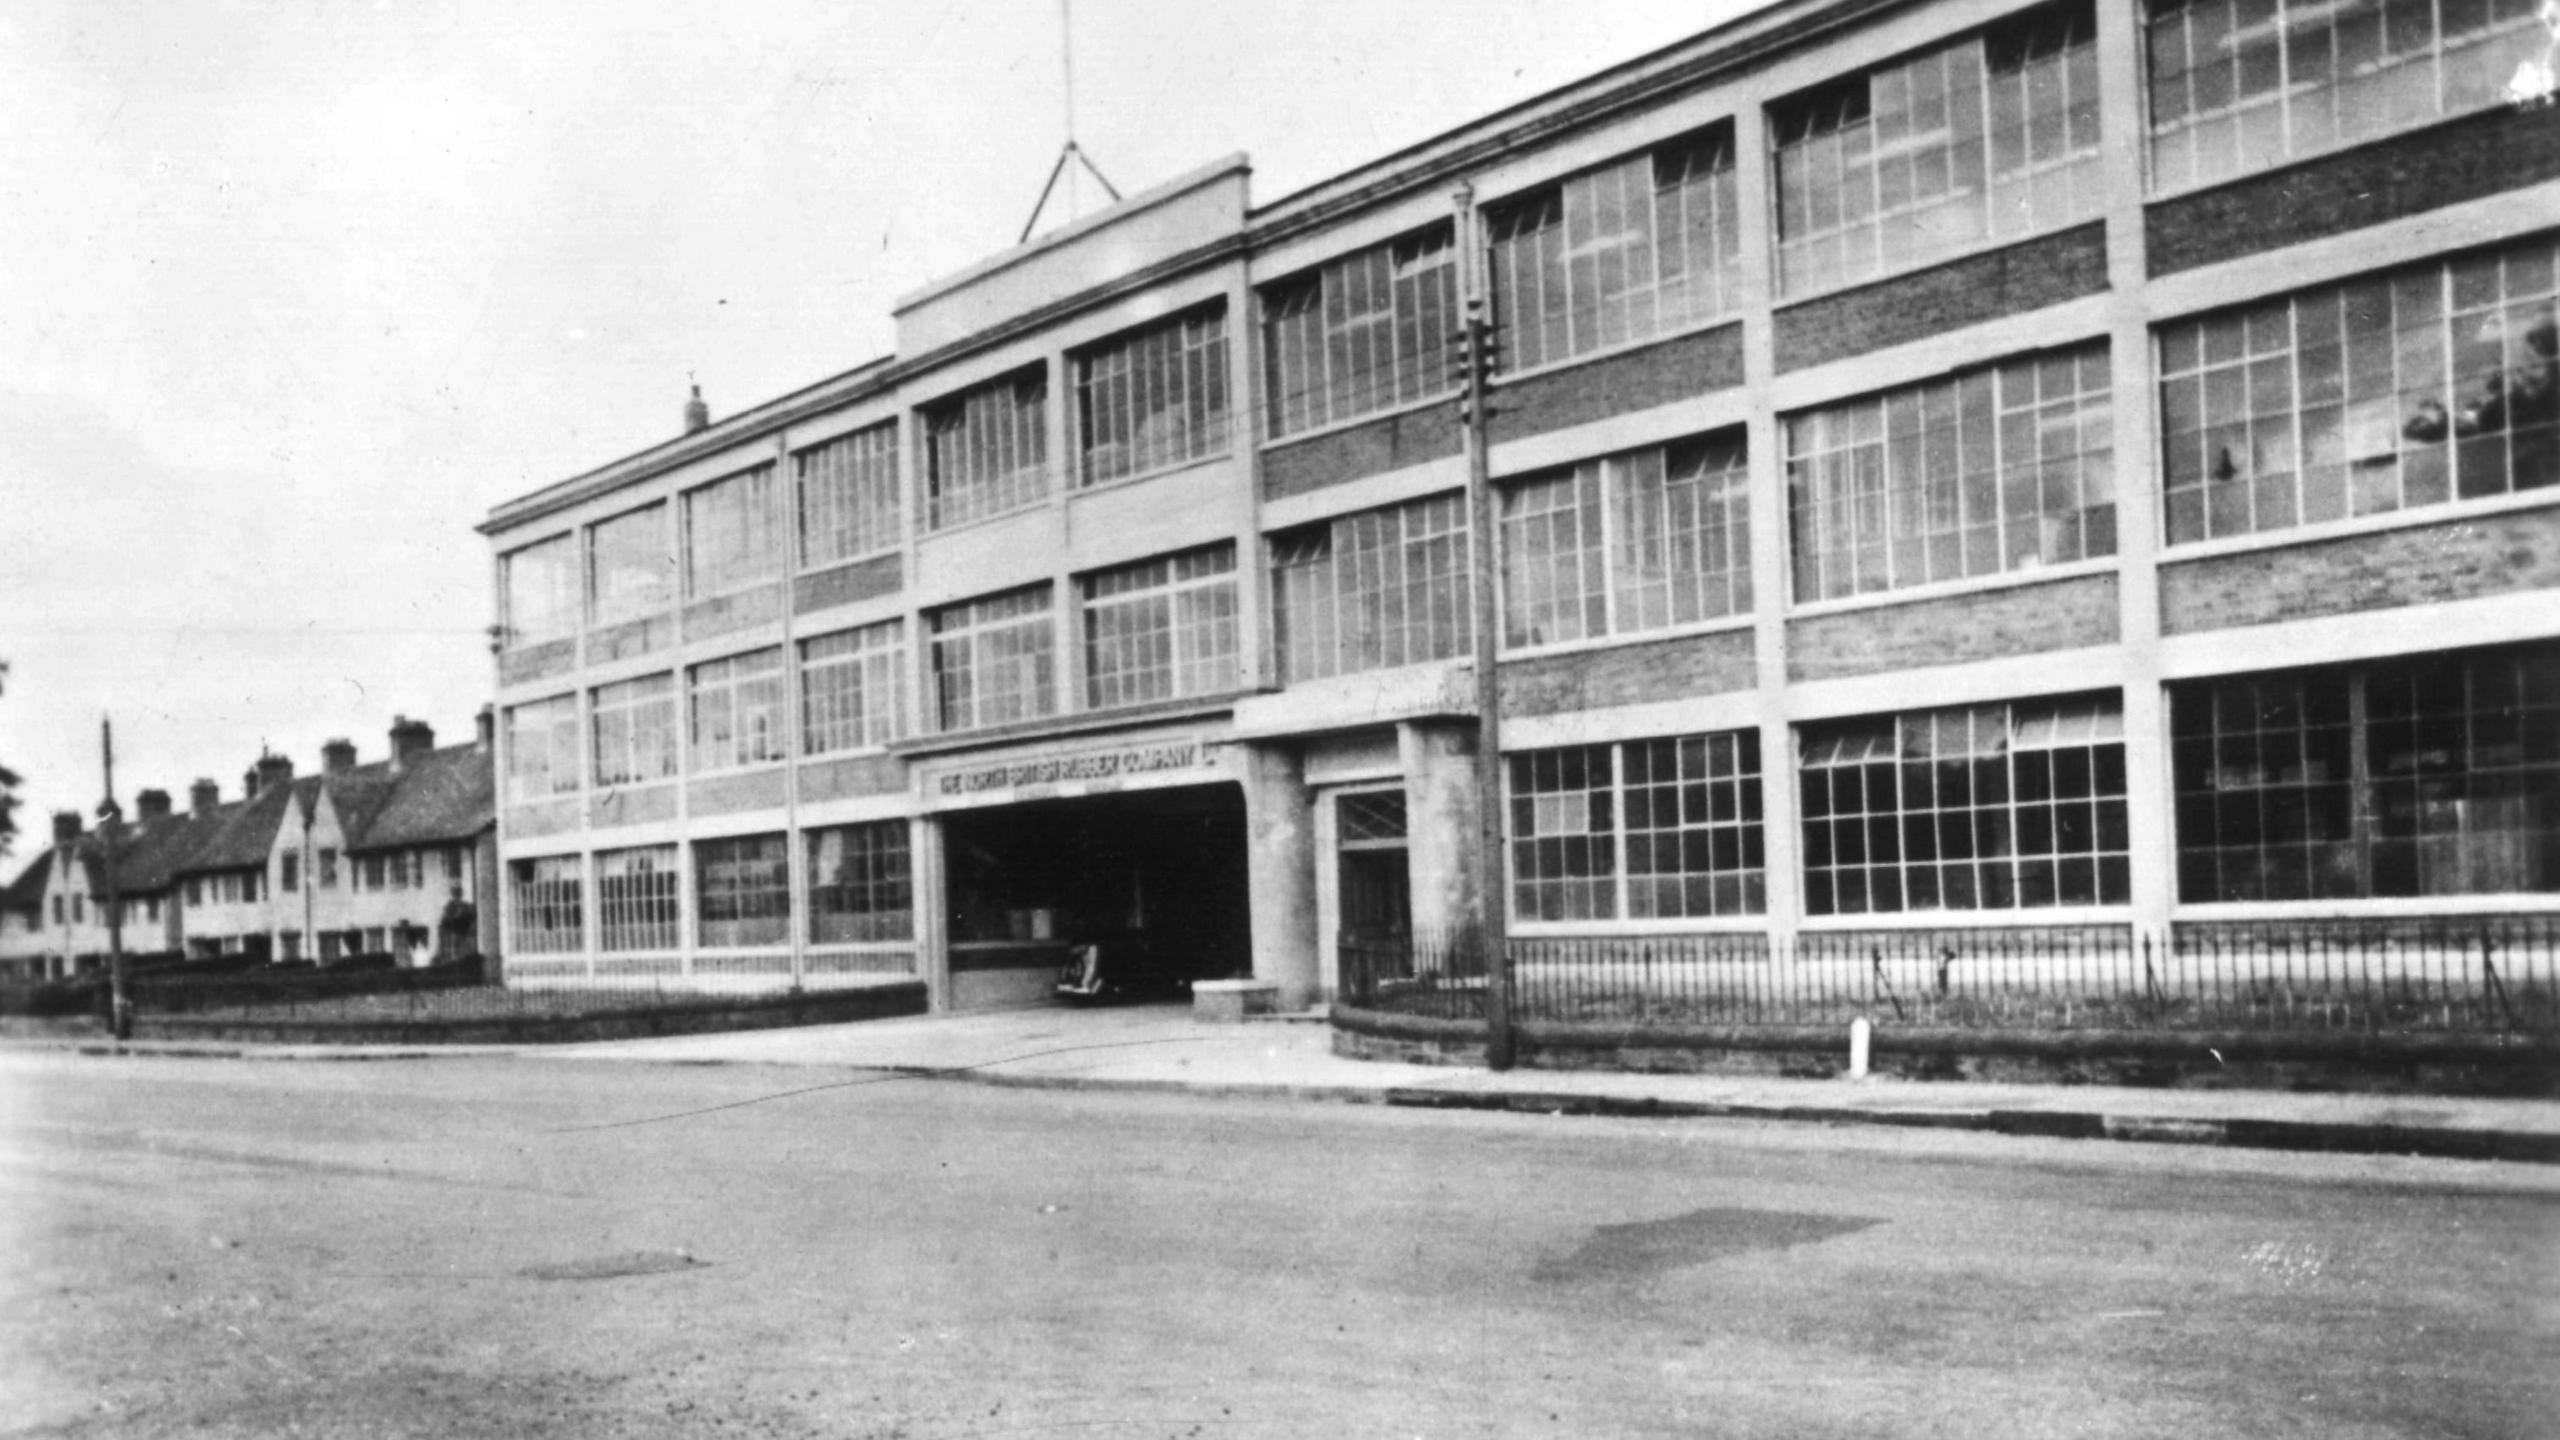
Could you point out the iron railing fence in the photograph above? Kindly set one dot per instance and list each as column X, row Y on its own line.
column 2489, row 974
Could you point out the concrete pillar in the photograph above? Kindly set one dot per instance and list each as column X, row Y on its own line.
column 1280, row 859
column 1441, row 816
column 929, row 881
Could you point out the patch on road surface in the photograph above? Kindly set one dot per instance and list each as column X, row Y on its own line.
column 1650, row 1247
column 614, row 1267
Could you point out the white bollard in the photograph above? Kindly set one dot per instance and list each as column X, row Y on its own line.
column 1860, row 1033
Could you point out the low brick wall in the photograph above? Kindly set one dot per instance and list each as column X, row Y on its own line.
column 708, row 1015
column 2240, row 1060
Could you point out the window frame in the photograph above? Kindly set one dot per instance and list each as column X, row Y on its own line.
column 752, row 710
column 875, row 657
column 1317, row 596
column 968, row 424
column 648, row 908
column 742, row 881
column 965, row 629
column 1194, row 594
column 735, row 536
column 1179, row 363
column 849, row 489
column 1540, row 833
column 559, row 721
column 1309, row 326
column 887, row 873
column 1626, row 540
column 653, row 598
column 552, row 593
column 551, row 888
column 623, row 706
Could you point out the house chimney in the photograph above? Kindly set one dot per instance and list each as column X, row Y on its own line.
column 249, row 783
column 66, row 826
column 274, row 770
column 337, row 757
column 697, row 415
column 409, row 740
column 485, row 724
column 202, row 796
column 151, row 805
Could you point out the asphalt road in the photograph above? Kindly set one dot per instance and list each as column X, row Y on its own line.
column 537, row 1247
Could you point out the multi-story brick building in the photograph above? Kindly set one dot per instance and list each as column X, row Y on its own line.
column 1959, row 463
column 359, row 859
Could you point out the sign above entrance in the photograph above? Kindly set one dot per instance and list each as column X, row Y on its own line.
column 1173, row 760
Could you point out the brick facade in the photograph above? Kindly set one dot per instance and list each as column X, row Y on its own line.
column 2430, row 564
column 1711, row 664
column 1985, row 625
column 1369, row 448
column 1677, row 369
column 845, row 584
column 2027, row 276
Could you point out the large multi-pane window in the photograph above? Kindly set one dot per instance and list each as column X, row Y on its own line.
column 732, row 533
column 1986, row 807
column 860, row 886
column 1153, row 399
column 1365, row 333
column 2237, row 85
column 849, row 496
column 993, row 660
column 1161, row 628
column 737, row 711
column 631, row 570
column 852, row 690
column 2435, row 383
column 542, row 748
column 639, row 900
column 541, row 586
column 1646, row 246
column 1641, row 830
column 1635, row 542
column 742, row 889
column 2432, row 776
column 1993, row 470
column 550, row 905
column 634, row 724
column 1374, row 590
column 986, row 451
column 1992, row 137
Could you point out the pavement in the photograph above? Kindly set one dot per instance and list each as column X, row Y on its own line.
column 1164, row 1048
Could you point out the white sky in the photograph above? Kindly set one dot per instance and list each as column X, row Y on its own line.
column 292, row 294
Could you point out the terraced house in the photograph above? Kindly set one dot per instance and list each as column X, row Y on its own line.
column 2038, row 469
column 358, row 859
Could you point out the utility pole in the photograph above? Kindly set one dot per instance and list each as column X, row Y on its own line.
column 1476, row 350
column 110, row 828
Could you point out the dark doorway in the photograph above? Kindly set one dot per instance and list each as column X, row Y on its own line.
column 1377, row 885
column 1160, row 873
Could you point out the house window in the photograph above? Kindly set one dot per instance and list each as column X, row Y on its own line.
column 374, row 940
column 453, row 865
column 634, row 724
column 993, row 659
column 150, row 911
column 2439, row 382
column 2238, row 85
column 744, row 888
column 849, row 496
column 1154, row 399
column 289, row 944
column 79, row 910
column 1635, row 542
column 1161, row 628
column 289, row 872
column 2421, row 777
column 1990, row 138
column 1365, row 333
column 1643, row 247
column 732, row 533
column 57, row 909
column 631, row 569
column 550, row 906
column 328, row 868
column 372, row 873
column 540, row 586
column 542, row 749
column 853, row 688
column 195, row 891
column 1990, row 471
column 737, row 710
column 987, row 451
column 639, row 902
column 859, row 884
column 1642, row 830
column 1987, row 807
column 1374, row 590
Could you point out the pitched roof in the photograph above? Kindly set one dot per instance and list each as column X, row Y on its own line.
column 241, row 834
column 153, row 851
column 438, row 796
column 26, row 893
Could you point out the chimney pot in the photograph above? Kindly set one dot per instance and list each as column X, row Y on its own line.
column 202, row 796
column 66, row 826
column 697, row 414
column 151, row 805
column 337, row 757
column 274, row 770
column 409, row 739
column 249, row 783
